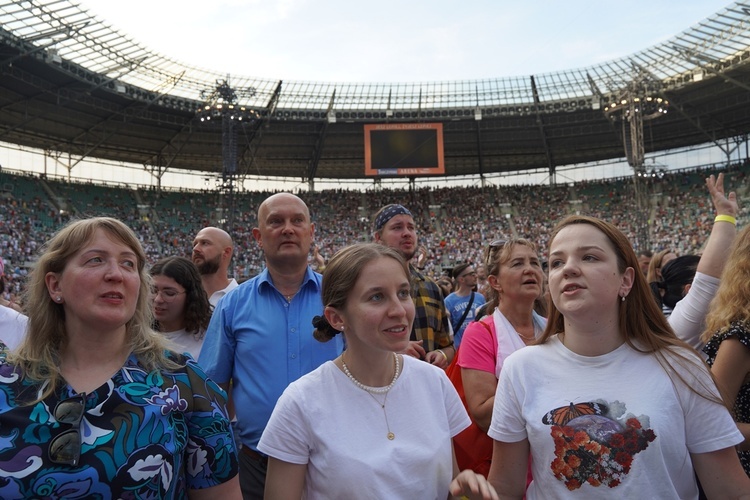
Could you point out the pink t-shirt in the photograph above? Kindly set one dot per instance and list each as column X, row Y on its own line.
column 479, row 347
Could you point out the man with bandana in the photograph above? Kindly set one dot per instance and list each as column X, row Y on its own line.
column 431, row 336
column 212, row 253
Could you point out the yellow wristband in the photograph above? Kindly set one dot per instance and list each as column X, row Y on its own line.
column 444, row 355
column 726, row 218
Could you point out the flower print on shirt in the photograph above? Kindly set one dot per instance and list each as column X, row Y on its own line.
column 594, row 446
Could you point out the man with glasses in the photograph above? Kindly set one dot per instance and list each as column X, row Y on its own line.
column 431, row 336
column 463, row 303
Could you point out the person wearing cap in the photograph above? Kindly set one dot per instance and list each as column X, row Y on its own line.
column 463, row 303
column 431, row 337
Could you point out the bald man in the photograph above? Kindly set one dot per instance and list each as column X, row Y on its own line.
column 212, row 253
column 260, row 336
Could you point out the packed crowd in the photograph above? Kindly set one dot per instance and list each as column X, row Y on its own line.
column 555, row 355
column 453, row 222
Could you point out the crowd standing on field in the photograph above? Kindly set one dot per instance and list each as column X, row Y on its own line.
column 251, row 342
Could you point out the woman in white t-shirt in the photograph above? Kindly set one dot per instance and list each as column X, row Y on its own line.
column 181, row 307
column 610, row 402
column 372, row 423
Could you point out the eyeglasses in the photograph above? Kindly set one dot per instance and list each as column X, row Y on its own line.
column 65, row 449
column 473, row 273
column 167, row 295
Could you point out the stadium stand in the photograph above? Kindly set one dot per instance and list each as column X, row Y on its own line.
column 455, row 223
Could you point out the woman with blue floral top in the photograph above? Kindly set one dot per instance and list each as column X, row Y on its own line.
column 92, row 405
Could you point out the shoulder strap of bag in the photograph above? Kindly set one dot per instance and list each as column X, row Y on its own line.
column 466, row 313
column 486, row 325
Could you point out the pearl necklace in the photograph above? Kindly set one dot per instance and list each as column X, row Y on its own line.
column 373, row 390
column 377, row 390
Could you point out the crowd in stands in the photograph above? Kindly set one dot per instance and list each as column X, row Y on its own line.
column 453, row 222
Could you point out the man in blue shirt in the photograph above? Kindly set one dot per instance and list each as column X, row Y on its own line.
column 463, row 303
column 260, row 335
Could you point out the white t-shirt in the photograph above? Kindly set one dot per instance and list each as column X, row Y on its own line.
column 635, row 431
column 185, row 342
column 338, row 429
column 218, row 294
column 12, row 327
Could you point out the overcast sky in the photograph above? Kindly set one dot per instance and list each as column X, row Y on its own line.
column 398, row 40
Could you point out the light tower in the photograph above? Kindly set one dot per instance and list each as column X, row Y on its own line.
column 221, row 108
column 639, row 101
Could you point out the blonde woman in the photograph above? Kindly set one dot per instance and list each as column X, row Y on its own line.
column 94, row 405
column 727, row 338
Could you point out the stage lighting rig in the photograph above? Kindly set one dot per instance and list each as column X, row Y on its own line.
column 636, row 102
column 649, row 107
column 222, row 102
column 221, row 107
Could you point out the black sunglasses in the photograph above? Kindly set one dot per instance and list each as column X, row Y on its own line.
column 494, row 246
column 65, row 449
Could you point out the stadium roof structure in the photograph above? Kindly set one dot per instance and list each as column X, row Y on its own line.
column 71, row 83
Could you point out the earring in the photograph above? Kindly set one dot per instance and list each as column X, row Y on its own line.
column 623, row 298
column 342, row 328
column 58, row 298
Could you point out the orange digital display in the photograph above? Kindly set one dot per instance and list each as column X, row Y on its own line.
column 395, row 149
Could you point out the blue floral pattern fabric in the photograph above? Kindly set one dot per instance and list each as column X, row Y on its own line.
column 144, row 435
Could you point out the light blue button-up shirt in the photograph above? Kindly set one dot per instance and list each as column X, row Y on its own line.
column 263, row 343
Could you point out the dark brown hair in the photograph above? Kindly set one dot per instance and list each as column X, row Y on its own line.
column 342, row 273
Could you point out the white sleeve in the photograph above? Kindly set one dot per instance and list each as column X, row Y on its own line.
column 507, row 424
column 708, row 424
column 458, row 418
column 286, row 437
column 687, row 318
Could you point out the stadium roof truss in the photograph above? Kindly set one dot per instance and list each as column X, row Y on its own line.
column 71, row 83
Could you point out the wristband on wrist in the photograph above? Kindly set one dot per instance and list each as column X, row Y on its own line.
column 726, row 218
column 444, row 355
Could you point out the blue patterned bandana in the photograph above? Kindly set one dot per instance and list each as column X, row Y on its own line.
column 389, row 213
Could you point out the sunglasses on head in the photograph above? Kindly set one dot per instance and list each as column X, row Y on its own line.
column 65, row 448
column 494, row 247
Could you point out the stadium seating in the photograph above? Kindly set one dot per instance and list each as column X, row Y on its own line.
column 454, row 223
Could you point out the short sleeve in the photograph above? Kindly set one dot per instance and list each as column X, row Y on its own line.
column 285, row 436
column 458, row 419
column 217, row 353
column 708, row 424
column 507, row 424
column 210, row 455
column 736, row 330
column 478, row 349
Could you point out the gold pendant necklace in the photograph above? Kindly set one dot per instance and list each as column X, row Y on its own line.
column 391, row 436
column 377, row 390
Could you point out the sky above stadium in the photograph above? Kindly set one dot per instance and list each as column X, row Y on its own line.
column 398, row 40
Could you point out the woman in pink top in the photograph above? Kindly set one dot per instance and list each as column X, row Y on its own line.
column 515, row 281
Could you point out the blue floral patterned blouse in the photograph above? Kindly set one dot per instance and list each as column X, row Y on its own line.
column 144, row 435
